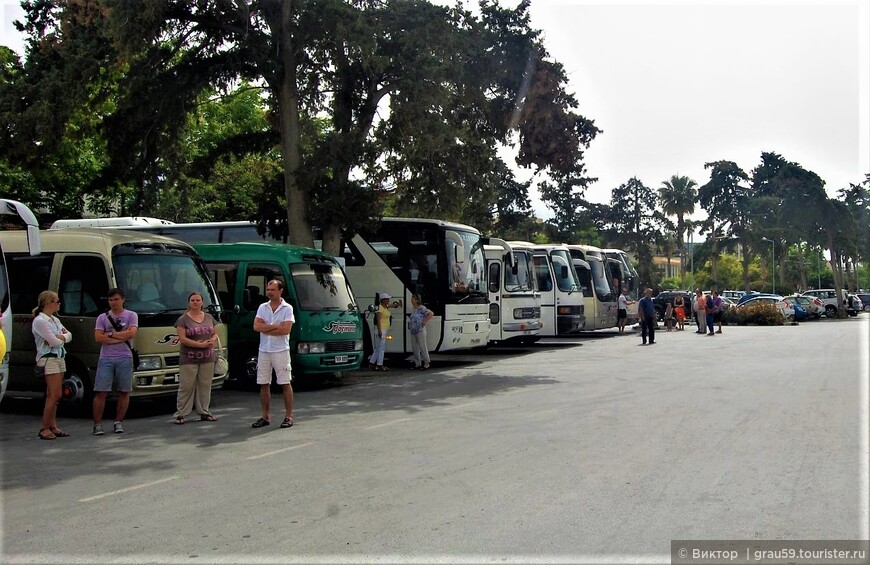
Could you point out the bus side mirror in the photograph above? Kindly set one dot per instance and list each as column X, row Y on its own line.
column 246, row 299
column 459, row 250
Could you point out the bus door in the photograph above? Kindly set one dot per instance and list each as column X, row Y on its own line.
column 547, row 288
column 252, row 293
column 494, row 267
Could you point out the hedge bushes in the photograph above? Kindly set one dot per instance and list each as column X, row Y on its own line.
column 756, row 315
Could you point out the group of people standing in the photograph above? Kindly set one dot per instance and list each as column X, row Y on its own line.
column 115, row 329
column 708, row 312
column 707, row 309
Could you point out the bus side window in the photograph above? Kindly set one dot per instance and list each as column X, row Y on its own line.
column 494, row 277
column 28, row 276
column 83, row 286
column 256, row 278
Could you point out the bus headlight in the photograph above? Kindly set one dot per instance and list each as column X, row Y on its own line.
column 312, row 347
column 358, row 345
column 149, row 363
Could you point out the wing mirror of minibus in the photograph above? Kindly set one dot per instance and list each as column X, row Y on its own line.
column 459, row 250
column 237, row 309
column 563, row 272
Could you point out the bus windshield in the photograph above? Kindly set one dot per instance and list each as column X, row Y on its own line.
column 467, row 274
column 563, row 271
column 158, row 280
column 522, row 280
column 599, row 281
column 321, row 286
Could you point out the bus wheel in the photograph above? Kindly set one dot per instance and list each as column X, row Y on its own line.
column 76, row 389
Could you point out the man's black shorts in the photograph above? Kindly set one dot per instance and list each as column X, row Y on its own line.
column 621, row 314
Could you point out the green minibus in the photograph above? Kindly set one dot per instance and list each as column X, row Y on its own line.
column 327, row 337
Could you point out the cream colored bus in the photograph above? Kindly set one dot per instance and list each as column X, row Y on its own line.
column 156, row 273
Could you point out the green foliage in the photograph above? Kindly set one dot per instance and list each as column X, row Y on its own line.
column 755, row 315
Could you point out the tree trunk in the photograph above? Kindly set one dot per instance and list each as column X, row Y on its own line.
column 838, row 275
column 746, row 260
column 714, row 257
column 298, row 222
column 802, row 267
column 681, row 227
column 332, row 241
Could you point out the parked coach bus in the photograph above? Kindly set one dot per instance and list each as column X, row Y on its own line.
column 441, row 260
column 327, row 336
column 12, row 208
column 627, row 278
column 562, row 308
column 156, row 273
column 599, row 297
column 514, row 303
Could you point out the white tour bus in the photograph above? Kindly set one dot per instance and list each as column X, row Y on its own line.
column 12, row 208
column 156, row 274
column 627, row 278
column 514, row 303
column 599, row 297
column 562, row 308
column 442, row 261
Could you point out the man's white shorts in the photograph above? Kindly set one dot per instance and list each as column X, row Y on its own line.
column 279, row 361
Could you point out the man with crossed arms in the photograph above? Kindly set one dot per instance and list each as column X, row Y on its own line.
column 274, row 321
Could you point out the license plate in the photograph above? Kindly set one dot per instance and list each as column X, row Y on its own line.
column 341, row 358
column 170, row 379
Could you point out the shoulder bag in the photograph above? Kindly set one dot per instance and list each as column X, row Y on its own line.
column 118, row 328
column 221, row 365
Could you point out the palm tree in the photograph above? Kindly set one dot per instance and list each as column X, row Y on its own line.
column 678, row 197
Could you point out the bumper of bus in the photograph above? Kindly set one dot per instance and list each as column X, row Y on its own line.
column 464, row 335
column 524, row 327
column 568, row 324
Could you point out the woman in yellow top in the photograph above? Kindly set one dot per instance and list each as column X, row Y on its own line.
column 382, row 326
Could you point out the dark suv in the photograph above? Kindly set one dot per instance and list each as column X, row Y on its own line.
column 660, row 302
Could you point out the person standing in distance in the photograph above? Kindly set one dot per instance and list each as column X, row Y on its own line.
column 622, row 303
column 417, row 321
column 647, row 313
column 113, row 330
column 274, row 321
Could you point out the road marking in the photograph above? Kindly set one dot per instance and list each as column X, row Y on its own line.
column 128, row 489
column 291, row 448
column 462, row 405
column 387, row 424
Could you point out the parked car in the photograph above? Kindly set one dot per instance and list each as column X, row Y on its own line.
column 854, row 303
column 829, row 297
column 660, row 302
column 753, row 294
column 814, row 306
column 786, row 308
column 865, row 300
column 732, row 294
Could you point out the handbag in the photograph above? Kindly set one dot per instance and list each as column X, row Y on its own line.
column 221, row 365
column 118, row 328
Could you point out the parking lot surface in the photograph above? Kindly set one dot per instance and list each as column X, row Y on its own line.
column 587, row 449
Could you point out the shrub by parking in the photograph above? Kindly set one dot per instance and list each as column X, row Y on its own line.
column 756, row 315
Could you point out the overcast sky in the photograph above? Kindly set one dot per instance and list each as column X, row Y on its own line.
column 675, row 85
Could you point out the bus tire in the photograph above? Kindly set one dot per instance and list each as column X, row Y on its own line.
column 77, row 388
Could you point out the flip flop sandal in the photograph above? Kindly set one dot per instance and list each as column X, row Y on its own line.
column 287, row 423
column 179, row 420
column 59, row 432
column 207, row 418
column 47, row 435
column 260, row 423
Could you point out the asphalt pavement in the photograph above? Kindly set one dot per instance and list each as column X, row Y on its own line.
column 588, row 449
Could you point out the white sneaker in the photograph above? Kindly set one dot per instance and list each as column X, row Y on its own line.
column 119, row 428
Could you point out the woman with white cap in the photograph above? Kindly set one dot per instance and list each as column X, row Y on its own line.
column 382, row 326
